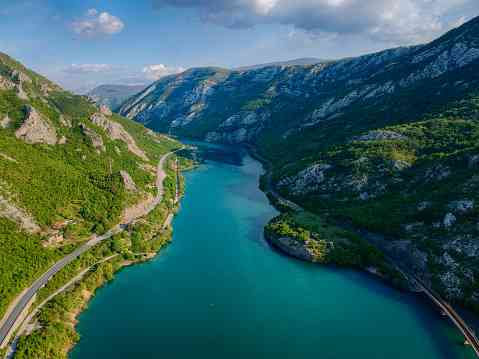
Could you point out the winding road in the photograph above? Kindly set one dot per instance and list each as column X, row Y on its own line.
column 13, row 318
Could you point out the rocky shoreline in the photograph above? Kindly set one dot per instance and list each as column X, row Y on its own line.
column 290, row 247
column 301, row 251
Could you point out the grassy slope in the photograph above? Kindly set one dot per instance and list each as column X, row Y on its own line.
column 439, row 120
column 445, row 139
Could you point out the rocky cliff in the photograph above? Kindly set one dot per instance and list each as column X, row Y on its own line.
column 386, row 142
column 68, row 170
column 245, row 106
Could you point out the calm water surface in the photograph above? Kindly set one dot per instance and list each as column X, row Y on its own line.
column 219, row 291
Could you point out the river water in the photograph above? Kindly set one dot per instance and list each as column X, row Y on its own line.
column 219, row 291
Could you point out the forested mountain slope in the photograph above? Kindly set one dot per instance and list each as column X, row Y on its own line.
column 68, row 169
column 386, row 142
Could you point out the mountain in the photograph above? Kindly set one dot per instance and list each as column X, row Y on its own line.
column 114, row 95
column 384, row 144
column 235, row 106
column 68, row 170
column 296, row 62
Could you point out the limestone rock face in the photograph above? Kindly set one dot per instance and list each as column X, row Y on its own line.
column 306, row 180
column 239, row 128
column 128, row 181
column 291, row 246
column 36, row 129
column 95, row 138
column 117, row 132
column 399, row 165
column 105, row 110
column 65, row 122
column 242, row 119
column 45, row 89
column 6, row 84
column 18, row 215
column 22, row 95
column 380, row 135
column 241, row 135
column 5, row 121
column 20, row 77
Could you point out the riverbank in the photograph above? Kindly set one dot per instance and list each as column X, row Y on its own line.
column 381, row 266
column 53, row 333
column 304, row 243
column 304, row 236
column 219, row 291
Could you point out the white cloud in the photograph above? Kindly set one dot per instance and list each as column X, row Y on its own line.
column 394, row 21
column 154, row 72
column 79, row 69
column 81, row 77
column 96, row 23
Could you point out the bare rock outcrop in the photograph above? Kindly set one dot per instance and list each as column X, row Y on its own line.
column 139, row 209
column 117, row 132
column 22, row 95
column 128, row 181
column 6, row 84
column 95, row 138
column 291, row 246
column 36, row 129
column 45, row 89
column 20, row 77
column 105, row 110
column 449, row 220
column 5, row 121
column 380, row 135
column 65, row 122
column 18, row 215
column 307, row 180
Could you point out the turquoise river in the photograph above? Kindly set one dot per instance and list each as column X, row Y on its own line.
column 219, row 291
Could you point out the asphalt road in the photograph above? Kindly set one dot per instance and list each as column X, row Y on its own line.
column 15, row 314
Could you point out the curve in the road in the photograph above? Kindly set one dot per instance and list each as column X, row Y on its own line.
column 14, row 316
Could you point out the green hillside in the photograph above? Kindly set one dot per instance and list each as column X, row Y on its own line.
column 384, row 145
column 61, row 173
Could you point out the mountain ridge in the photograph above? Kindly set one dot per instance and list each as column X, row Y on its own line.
column 385, row 142
column 113, row 95
column 294, row 62
column 68, row 170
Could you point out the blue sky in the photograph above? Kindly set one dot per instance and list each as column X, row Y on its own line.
column 83, row 43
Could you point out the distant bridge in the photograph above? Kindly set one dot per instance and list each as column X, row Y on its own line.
column 448, row 310
column 445, row 307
